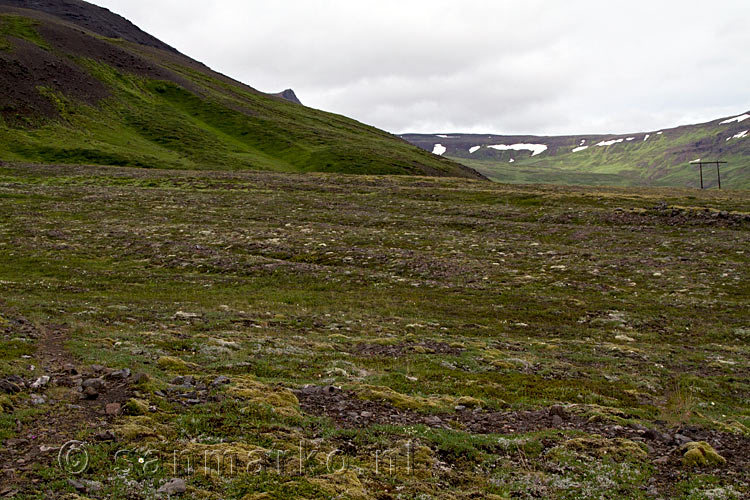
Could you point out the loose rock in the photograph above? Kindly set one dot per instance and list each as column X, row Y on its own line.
column 173, row 487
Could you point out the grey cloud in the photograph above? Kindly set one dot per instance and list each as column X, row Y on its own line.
column 501, row 66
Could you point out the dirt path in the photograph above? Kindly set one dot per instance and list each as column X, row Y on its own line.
column 64, row 413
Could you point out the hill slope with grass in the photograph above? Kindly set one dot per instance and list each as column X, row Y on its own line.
column 81, row 85
column 658, row 158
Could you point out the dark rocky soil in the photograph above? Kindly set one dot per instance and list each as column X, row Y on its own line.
column 92, row 17
column 94, row 398
column 349, row 412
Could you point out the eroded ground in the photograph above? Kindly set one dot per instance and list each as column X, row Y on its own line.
column 286, row 336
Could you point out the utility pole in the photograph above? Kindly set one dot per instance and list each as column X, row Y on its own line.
column 718, row 164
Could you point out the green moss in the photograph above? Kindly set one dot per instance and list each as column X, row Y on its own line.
column 173, row 364
column 403, row 401
column 701, row 454
column 135, row 407
column 617, row 449
column 6, row 405
column 20, row 27
column 14, row 349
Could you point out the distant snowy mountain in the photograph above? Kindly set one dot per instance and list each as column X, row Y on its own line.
column 658, row 158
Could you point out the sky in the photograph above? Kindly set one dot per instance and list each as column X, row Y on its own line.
column 541, row 67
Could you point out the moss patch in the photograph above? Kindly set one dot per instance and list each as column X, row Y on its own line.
column 701, row 454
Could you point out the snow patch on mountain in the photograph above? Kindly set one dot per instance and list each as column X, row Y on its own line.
column 581, row 148
column 738, row 119
column 610, row 143
column 536, row 149
column 741, row 135
column 439, row 150
column 474, row 149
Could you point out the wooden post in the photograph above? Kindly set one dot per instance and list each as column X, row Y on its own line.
column 718, row 173
column 701, row 166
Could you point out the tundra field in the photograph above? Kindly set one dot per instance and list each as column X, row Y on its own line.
column 277, row 336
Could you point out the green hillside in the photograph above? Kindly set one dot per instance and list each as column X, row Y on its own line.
column 659, row 158
column 71, row 96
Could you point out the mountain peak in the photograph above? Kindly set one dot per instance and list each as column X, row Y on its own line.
column 290, row 96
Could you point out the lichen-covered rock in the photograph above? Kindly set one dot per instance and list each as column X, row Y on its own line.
column 469, row 402
column 141, row 428
column 403, row 401
column 282, row 400
column 700, row 454
column 618, row 449
column 173, row 364
column 135, row 407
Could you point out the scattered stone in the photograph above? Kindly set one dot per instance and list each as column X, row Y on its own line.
column 662, row 461
column 70, row 369
column 173, row 487
column 36, row 399
column 95, row 383
column 682, row 440
column 9, row 387
column 328, row 390
column 92, row 486
column 120, row 374
column 105, row 436
column 434, row 421
column 40, row 382
column 557, row 421
column 558, row 410
column 85, row 486
column 90, row 393
column 97, row 368
column 220, row 380
column 187, row 380
column 185, row 315
column 113, row 409
column 77, row 485
column 140, row 378
column 229, row 344
column 700, row 454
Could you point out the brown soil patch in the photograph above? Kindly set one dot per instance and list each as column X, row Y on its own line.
column 402, row 349
column 38, row 442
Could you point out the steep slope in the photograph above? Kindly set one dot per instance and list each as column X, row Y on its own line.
column 91, row 88
column 659, row 158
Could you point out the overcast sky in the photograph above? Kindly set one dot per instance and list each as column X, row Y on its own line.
column 485, row 66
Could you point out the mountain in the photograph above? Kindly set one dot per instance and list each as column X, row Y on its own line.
column 658, row 158
column 289, row 95
column 81, row 85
